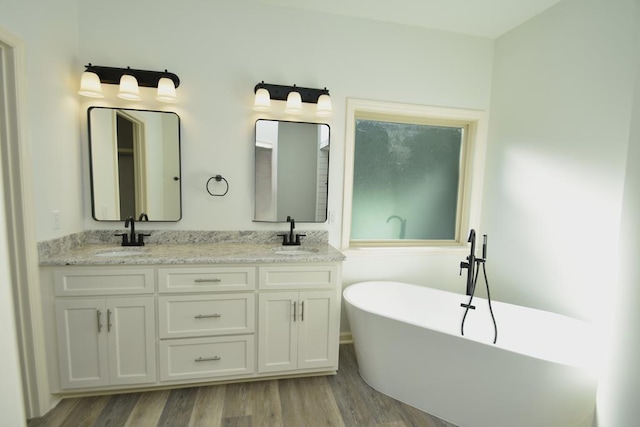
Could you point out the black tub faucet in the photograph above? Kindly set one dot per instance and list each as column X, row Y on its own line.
column 470, row 264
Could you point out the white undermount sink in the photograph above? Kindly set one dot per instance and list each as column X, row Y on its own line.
column 294, row 250
column 124, row 252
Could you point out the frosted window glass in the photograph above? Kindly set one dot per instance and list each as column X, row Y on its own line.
column 406, row 180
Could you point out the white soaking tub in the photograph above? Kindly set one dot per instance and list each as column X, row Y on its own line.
column 541, row 372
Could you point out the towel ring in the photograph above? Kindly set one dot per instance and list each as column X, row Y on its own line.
column 218, row 178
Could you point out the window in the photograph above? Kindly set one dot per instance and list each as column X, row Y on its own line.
column 408, row 174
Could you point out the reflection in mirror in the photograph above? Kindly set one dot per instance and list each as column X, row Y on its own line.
column 135, row 164
column 291, row 171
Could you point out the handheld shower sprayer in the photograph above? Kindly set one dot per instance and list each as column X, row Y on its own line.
column 484, row 246
column 472, row 264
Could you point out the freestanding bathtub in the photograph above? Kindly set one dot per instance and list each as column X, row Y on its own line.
column 541, row 372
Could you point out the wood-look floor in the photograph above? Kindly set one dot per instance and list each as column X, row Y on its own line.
column 340, row 400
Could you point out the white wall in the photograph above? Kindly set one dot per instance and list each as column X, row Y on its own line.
column 559, row 149
column 221, row 49
column 50, row 34
column 617, row 405
column 560, row 114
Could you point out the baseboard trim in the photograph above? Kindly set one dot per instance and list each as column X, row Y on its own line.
column 346, row 338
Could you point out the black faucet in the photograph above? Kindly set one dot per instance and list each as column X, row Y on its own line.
column 132, row 239
column 473, row 262
column 470, row 264
column 291, row 239
column 143, row 217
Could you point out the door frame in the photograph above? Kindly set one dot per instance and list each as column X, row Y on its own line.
column 20, row 226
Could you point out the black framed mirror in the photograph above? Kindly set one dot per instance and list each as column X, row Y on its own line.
column 135, row 164
column 291, row 171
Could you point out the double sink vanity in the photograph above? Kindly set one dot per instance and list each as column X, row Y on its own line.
column 188, row 308
column 170, row 308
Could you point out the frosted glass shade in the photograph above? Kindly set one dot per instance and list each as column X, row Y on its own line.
column 324, row 107
column 166, row 90
column 262, row 101
column 129, row 88
column 90, row 85
column 294, row 103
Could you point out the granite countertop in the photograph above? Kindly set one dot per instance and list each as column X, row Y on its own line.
column 199, row 252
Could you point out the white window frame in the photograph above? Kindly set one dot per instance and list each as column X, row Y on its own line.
column 472, row 172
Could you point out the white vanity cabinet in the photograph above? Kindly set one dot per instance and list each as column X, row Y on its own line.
column 104, row 339
column 160, row 325
column 298, row 323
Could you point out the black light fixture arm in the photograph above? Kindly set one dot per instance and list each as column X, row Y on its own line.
column 280, row 92
column 145, row 78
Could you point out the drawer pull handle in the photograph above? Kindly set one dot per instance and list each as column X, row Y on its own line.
column 208, row 280
column 207, row 359
column 206, row 316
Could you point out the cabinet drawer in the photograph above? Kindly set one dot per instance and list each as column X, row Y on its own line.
column 117, row 281
column 201, row 358
column 198, row 315
column 296, row 277
column 206, row 279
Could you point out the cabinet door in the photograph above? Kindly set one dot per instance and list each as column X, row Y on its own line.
column 82, row 343
column 277, row 331
column 318, row 330
column 131, row 331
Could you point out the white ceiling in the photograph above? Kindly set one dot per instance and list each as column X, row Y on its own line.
column 485, row 18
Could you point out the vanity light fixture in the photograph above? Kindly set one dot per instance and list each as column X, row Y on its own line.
column 294, row 96
column 129, row 89
column 324, row 107
column 166, row 90
column 294, row 102
column 262, row 101
column 90, row 85
column 129, row 80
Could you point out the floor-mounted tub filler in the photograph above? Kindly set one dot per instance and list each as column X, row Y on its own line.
column 541, row 372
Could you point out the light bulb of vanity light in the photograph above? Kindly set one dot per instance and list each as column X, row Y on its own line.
column 90, row 85
column 294, row 103
column 262, row 101
column 324, row 107
column 129, row 88
column 166, row 90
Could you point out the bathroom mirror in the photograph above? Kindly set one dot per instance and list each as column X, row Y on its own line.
column 291, row 171
column 135, row 164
